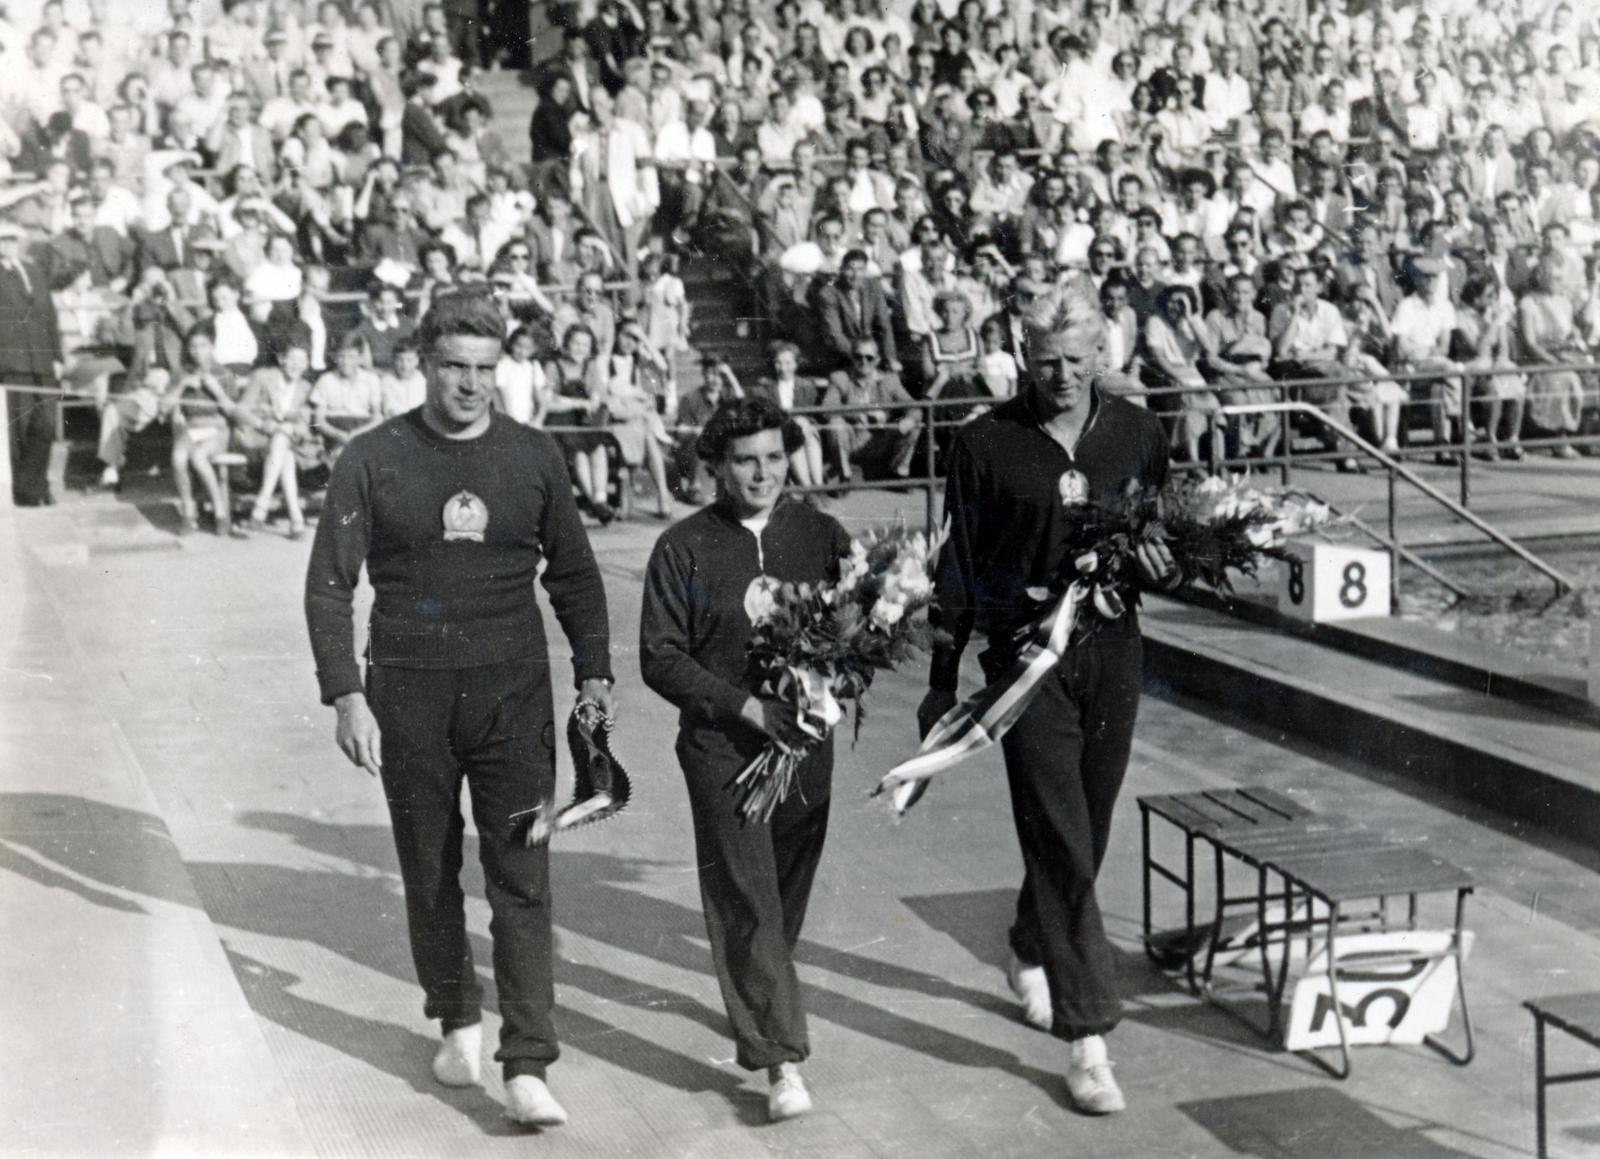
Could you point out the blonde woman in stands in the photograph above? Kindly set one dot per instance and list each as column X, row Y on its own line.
column 275, row 424
column 346, row 399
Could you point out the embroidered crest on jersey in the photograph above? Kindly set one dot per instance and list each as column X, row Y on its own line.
column 465, row 517
column 1073, row 487
column 759, row 599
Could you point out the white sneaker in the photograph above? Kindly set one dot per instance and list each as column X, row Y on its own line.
column 788, row 1098
column 459, row 1060
column 1093, row 1087
column 1032, row 989
column 529, row 1102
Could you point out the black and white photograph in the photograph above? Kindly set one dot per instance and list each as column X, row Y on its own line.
column 800, row 579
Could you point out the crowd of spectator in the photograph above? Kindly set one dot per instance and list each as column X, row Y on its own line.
column 1399, row 199
column 1259, row 191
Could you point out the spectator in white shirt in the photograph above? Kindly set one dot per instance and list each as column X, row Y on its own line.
column 340, row 109
column 1274, row 176
column 280, row 114
column 115, row 206
column 87, row 117
column 1421, row 325
column 33, row 84
column 685, row 153
column 172, row 77
column 1331, row 114
column 1228, row 98
column 203, row 106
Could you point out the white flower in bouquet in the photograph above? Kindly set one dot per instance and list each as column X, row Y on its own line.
column 853, row 568
column 911, row 579
column 887, row 612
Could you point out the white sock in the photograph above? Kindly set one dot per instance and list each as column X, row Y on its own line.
column 1089, row 1051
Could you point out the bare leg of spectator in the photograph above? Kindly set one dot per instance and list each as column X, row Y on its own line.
column 581, row 473
column 279, row 472
column 841, row 440
column 199, row 459
column 182, row 457
column 656, row 464
column 905, row 447
column 600, row 477
column 291, row 497
column 806, row 463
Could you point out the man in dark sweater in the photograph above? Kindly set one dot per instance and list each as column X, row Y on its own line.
column 1012, row 474
column 452, row 508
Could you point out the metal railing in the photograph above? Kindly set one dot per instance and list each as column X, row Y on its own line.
column 1398, row 470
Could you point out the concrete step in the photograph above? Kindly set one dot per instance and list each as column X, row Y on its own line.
column 1519, row 759
column 1420, row 648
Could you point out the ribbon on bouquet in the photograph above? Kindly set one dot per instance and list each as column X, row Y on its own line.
column 817, row 710
column 766, row 781
column 984, row 717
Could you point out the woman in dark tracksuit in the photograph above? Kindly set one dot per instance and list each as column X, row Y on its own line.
column 755, row 879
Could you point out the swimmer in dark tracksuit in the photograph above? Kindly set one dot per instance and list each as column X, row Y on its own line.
column 452, row 508
column 755, row 879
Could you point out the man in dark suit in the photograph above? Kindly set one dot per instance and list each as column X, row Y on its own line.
column 55, row 140
column 106, row 254
column 238, row 138
column 421, row 138
column 30, row 358
column 169, row 247
column 852, row 308
column 1367, row 273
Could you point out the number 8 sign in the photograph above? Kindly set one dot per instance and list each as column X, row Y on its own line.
column 1321, row 582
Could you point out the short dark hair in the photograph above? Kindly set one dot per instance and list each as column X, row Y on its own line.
column 739, row 418
column 472, row 313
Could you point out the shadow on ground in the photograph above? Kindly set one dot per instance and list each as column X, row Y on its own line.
column 1311, row 1123
column 601, row 898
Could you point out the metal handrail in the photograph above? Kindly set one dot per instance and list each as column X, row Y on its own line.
column 1397, row 469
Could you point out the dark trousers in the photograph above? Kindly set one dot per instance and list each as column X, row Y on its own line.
column 494, row 727
column 755, row 883
column 1065, row 760
column 31, row 419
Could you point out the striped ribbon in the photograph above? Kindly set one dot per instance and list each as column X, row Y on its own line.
column 984, row 717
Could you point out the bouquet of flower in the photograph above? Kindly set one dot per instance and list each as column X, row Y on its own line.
column 817, row 645
column 1210, row 527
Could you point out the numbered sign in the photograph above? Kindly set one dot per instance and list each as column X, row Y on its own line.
column 1394, row 987
column 1329, row 581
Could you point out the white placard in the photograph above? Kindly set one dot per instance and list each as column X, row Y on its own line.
column 1399, row 1002
column 1323, row 582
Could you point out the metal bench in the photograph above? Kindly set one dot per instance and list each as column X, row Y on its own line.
column 1579, row 1016
column 1203, row 816
column 1331, row 866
